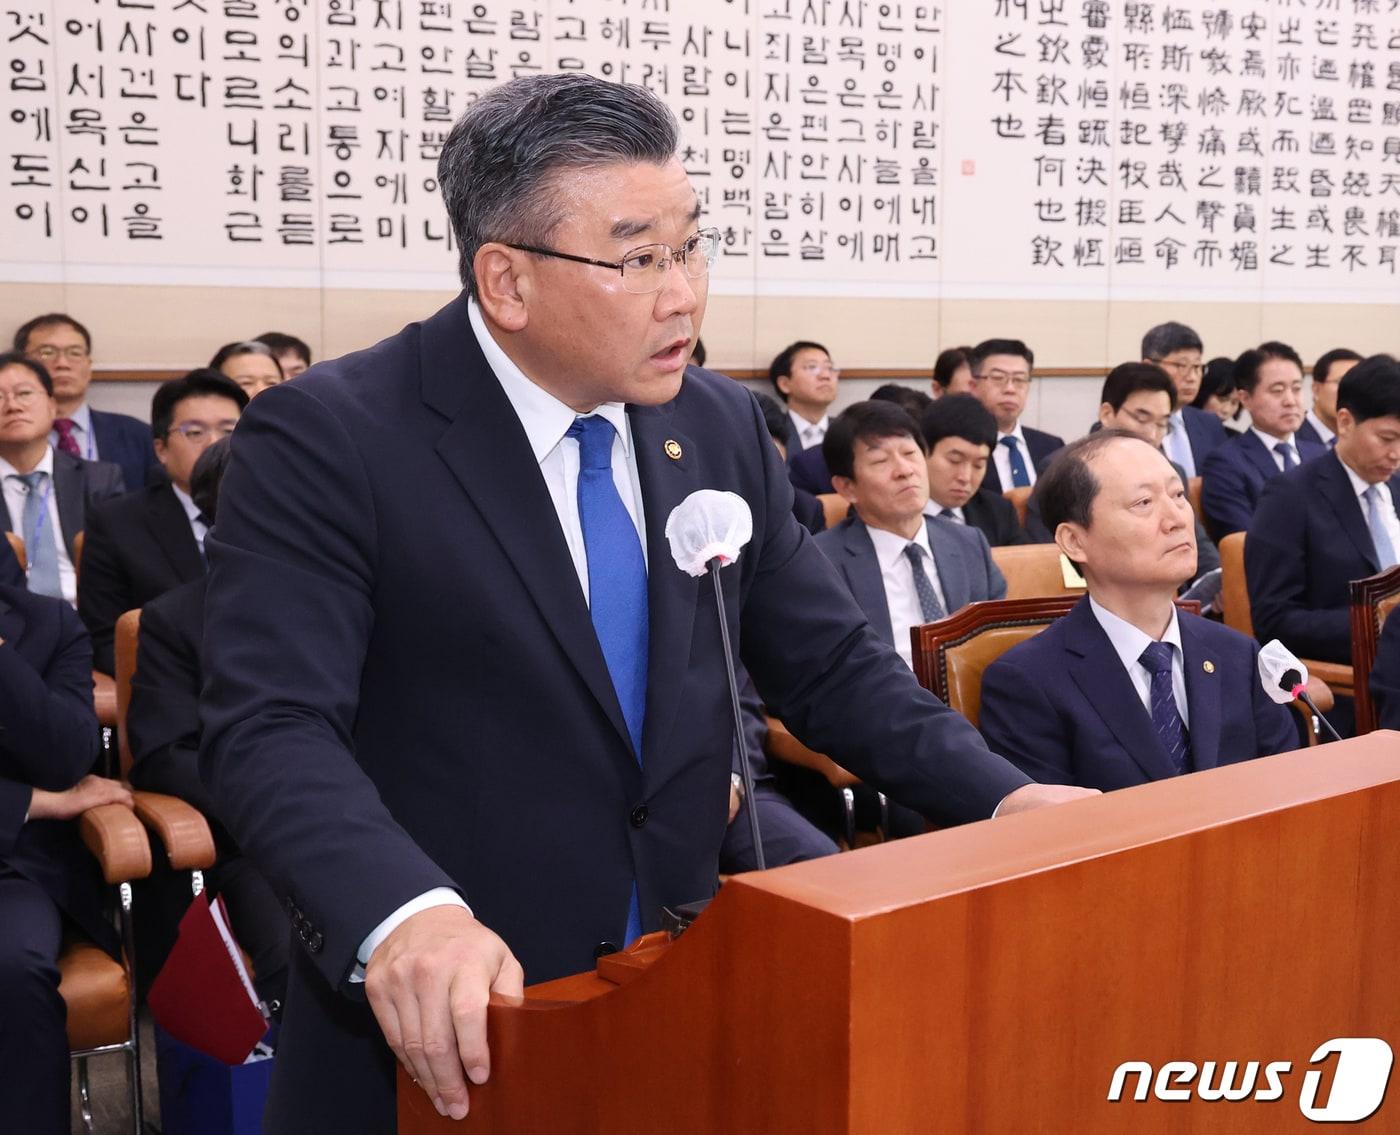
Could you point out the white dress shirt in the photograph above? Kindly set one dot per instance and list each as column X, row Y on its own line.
column 192, row 513
column 1324, row 432
column 1386, row 504
column 16, row 493
column 1002, row 456
column 82, row 433
column 546, row 420
column 897, row 573
column 933, row 508
column 1177, row 446
column 810, row 433
column 1269, row 442
column 1129, row 643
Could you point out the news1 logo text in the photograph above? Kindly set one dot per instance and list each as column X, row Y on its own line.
column 1360, row 1074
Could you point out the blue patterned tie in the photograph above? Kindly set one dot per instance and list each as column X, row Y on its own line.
column 1385, row 550
column 1166, row 719
column 39, row 513
column 1284, row 450
column 929, row 606
column 1020, row 478
column 617, row 587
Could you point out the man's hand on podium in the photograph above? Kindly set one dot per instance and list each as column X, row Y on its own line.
column 428, row 984
column 1030, row 796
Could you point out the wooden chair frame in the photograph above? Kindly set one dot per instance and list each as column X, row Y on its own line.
column 1372, row 599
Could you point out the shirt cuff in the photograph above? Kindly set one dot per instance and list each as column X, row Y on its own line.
column 438, row 896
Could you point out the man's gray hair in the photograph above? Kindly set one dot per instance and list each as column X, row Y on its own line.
column 499, row 166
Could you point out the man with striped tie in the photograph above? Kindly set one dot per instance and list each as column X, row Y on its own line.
column 1126, row 688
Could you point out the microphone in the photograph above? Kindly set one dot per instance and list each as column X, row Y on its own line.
column 707, row 531
column 1284, row 678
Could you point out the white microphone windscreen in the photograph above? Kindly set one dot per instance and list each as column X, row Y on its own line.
column 708, row 524
column 1276, row 660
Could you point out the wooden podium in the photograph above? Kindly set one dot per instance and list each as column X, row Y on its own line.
column 991, row 978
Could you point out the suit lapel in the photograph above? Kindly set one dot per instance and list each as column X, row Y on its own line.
column 1258, row 456
column 862, row 571
column 1202, row 695
column 11, row 623
column 485, row 448
column 1097, row 671
column 952, row 572
column 170, row 528
column 68, row 490
column 1335, row 486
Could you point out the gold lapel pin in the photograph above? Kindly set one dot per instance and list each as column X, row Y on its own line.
column 1208, row 666
column 673, row 449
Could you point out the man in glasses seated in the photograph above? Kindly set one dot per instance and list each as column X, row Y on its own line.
column 47, row 493
column 63, row 347
column 1193, row 433
column 147, row 542
column 1001, row 380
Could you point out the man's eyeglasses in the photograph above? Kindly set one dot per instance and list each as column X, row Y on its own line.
column 22, row 397
column 644, row 269
column 1196, row 369
column 197, row 434
column 49, row 354
column 1001, row 378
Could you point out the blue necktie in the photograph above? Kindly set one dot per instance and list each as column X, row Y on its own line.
column 38, row 538
column 1284, row 450
column 1020, row 478
column 1166, row 719
column 1385, row 550
column 617, row 587
column 929, row 606
column 1178, row 446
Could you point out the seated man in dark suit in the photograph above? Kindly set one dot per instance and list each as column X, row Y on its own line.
column 64, row 348
column 1270, row 384
column 1193, row 434
column 807, row 470
column 805, row 506
column 48, row 746
column 48, row 494
column 294, row 356
column 902, row 567
column 1320, row 424
column 1126, row 688
column 150, row 541
column 1329, row 522
column 1001, row 380
column 163, row 724
column 805, row 378
column 960, row 434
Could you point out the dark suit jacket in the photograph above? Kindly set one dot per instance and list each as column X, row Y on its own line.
column 136, row 548
column 1062, row 707
column 78, row 486
column 11, row 574
column 48, row 739
column 1309, row 431
column 1205, row 432
column 1234, row 476
column 1042, row 447
column 808, row 471
column 391, row 604
column 126, row 441
column 809, row 511
column 1385, row 676
column 964, row 561
column 995, row 517
column 1308, row 540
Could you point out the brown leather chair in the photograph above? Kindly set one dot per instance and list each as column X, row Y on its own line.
column 834, row 508
column 1234, row 596
column 1021, row 499
column 1193, row 494
column 1372, row 600
column 100, row 993
column 17, row 544
column 781, row 745
column 1034, row 570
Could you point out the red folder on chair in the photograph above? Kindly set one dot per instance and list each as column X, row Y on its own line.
column 203, row 995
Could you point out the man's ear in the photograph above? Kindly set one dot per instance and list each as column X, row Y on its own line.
column 845, row 487
column 1105, row 414
column 1069, row 538
column 1346, row 422
column 784, row 383
column 504, row 285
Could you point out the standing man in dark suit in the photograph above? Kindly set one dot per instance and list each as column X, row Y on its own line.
column 64, row 347
column 1329, row 522
column 1001, row 379
column 48, row 746
column 903, row 568
column 1320, row 424
column 1270, row 383
column 150, row 541
column 422, row 544
column 960, row 435
column 1125, row 688
column 47, row 494
column 1193, row 434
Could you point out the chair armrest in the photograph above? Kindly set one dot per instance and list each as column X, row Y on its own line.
column 118, row 841
column 1337, row 675
column 180, row 827
column 783, row 746
column 104, row 699
column 1321, row 694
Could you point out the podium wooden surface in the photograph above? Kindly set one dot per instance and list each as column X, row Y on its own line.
column 990, row 978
